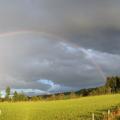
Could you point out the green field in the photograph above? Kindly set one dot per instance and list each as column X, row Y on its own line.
column 74, row 109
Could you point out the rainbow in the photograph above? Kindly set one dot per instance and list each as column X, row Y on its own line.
column 14, row 33
column 6, row 34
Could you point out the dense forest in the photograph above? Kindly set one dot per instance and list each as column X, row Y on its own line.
column 111, row 86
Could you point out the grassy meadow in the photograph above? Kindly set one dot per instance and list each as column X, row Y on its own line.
column 74, row 109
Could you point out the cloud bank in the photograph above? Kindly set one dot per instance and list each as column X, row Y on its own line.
column 58, row 45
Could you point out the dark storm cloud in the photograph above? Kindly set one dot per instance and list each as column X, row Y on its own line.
column 79, row 48
column 30, row 58
column 90, row 23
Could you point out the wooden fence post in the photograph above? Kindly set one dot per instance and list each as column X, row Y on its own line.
column 93, row 116
column 0, row 112
column 108, row 114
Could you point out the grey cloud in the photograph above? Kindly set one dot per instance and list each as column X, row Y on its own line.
column 76, row 30
column 90, row 23
column 28, row 58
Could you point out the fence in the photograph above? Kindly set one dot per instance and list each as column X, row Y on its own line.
column 109, row 115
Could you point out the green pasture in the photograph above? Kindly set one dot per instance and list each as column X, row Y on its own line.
column 74, row 109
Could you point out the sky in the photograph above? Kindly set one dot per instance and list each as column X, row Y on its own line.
column 49, row 46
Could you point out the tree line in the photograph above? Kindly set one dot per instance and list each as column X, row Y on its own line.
column 111, row 86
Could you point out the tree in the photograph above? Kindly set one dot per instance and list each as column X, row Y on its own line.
column 7, row 93
column 19, row 97
column 0, row 94
column 15, row 96
column 61, row 96
column 118, row 83
column 35, row 98
column 84, row 92
column 73, row 95
column 53, row 97
column 113, row 83
column 22, row 97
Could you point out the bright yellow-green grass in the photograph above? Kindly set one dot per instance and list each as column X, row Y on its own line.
column 74, row 109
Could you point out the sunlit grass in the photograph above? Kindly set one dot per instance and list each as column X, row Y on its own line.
column 75, row 109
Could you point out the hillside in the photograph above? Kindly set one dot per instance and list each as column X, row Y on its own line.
column 74, row 109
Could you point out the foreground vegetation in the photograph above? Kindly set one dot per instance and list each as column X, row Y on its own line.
column 74, row 109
